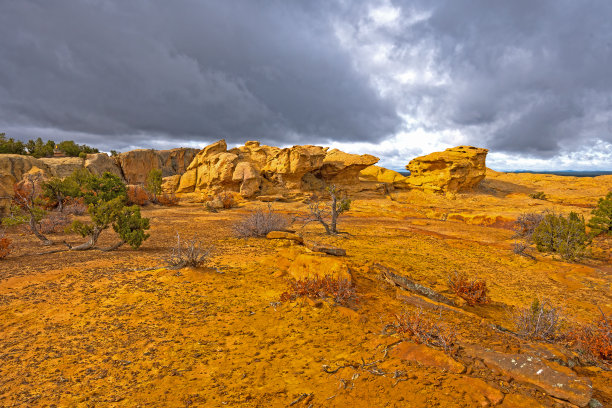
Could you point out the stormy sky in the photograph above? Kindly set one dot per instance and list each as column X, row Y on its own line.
column 530, row 80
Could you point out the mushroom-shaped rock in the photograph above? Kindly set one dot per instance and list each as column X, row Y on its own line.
column 343, row 168
column 454, row 170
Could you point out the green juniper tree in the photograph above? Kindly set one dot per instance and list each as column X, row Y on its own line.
column 601, row 222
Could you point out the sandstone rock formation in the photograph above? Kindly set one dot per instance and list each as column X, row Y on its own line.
column 12, row 169
column 254, row 169
column 99, row 163
column 454, row 170
column 381, row 175
column 136, row 164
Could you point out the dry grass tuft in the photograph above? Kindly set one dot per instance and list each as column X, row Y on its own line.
column 327, row 287
column 473, row 291
column 259, row 223
column 189, row 254
column 541, row 321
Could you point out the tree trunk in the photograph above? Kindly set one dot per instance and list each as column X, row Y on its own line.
column 36, row 232
column 93, row 238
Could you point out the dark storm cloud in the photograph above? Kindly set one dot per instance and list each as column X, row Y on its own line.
column 188, row 70
column 525, row 76
column 516, row 76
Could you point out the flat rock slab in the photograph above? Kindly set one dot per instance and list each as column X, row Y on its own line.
column 482, row 392
column 326, row 249
column 558, row 381
column 284, row 235
column 427, row 356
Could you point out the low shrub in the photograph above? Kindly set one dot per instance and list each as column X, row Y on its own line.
column 526, row 224
column 473, row 291
column 168, row 200
column 227, row 200
column 594, row 340
column 189, row 254
column 137, row 195
column 259, row 223
column 339, row 290
column 54, row 222
column 5, row 246
column 540, row 321
column 538, row 195
column 565, row 236
column 418, row 327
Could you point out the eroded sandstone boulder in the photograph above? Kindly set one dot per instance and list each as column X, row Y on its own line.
column 255, row 169
column 62, row 166
column 12, row 169
column 99, row 163
column 380, row 175
column 454, row 170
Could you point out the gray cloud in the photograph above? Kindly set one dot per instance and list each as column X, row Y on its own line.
column 519, row 76
column 188, row 70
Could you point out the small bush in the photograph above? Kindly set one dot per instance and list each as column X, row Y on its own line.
column 192, row 253
column 541, row 321
column 137, row 195
column 601, row 222
column 526, row 224
column 168, row 200
column 154, row 184
column 259, row 223
column 593, row 340
column 5, row 246
column 54, row 222
column 519, row 248
column 564, row 236
column 339, row 290
column 538, row 195
column 419, row 328
column 473, row 291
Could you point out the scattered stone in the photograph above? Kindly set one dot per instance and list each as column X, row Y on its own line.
column 326, row 249
column 427, row 356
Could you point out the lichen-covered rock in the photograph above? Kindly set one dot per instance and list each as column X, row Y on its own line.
column 454, row 170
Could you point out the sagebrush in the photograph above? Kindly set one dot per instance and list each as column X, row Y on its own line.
column 540, row 321
column 259, row 223
column 473, row 291
column 340, row 290
column 191, row 253
column 418, row 327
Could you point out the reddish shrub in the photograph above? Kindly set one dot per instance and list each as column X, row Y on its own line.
column 137, row 195
column 168, row 200
column 472, row 291
column 340, row 290
column 5, row 246
column 594, row 340
column 421, row 329
column 227, row 200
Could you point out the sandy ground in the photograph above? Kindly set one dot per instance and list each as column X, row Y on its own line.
column 93, row 329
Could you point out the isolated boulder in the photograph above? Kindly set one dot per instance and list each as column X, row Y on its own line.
column 454, row 170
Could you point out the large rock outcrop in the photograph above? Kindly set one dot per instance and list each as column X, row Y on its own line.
column 12, row 169
column 255, row 169
column 136, row 164
column 454, row 170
